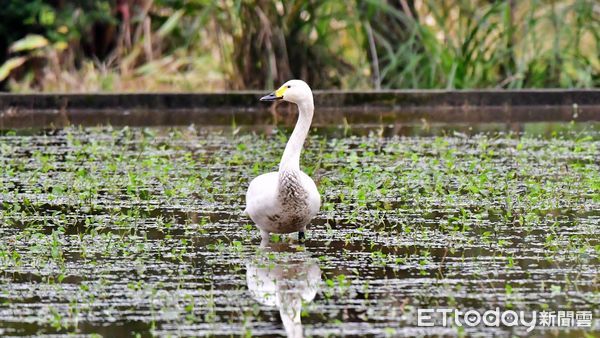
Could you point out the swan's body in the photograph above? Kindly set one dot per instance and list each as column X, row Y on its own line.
column 282, row 202
column 285, row 201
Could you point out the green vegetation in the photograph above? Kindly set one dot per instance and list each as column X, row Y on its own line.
column 120, row 45
column 125, row 231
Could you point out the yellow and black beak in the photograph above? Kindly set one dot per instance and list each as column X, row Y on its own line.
column 276, row 95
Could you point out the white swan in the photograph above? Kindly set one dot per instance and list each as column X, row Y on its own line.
column 285, row 201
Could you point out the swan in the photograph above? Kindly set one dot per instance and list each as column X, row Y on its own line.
column 285, row 201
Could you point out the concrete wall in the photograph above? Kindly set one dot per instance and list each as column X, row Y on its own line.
column 393, row 106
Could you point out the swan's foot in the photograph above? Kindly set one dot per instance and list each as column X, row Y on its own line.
column 301, row 236
column 265, row 237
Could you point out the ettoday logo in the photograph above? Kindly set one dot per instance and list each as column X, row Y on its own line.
column 507, row 318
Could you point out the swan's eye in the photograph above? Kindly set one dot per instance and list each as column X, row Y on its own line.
column 289, row 86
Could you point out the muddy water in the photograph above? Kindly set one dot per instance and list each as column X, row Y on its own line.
column 119, row 232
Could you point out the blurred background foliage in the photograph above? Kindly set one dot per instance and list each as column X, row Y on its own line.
column 203, row 45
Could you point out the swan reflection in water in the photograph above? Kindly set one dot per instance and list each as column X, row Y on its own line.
column 284, row 280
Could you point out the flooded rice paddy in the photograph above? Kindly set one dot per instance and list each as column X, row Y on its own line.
column 121, row 232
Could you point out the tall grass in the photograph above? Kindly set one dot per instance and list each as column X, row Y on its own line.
column 240, row 44
column 272, row 41
column 474, row 44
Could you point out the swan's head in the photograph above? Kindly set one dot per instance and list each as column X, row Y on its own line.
column 295, row 91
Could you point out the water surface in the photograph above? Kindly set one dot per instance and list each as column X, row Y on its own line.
column 119, row 231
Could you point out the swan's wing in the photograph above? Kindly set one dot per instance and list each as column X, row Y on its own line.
column 314, row 198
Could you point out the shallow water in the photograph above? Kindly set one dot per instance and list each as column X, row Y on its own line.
column 140, row 231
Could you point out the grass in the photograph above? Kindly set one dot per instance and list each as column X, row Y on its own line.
column 125, row 231
column 251, row 44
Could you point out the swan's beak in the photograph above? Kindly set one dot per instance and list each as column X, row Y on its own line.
column 271, row 97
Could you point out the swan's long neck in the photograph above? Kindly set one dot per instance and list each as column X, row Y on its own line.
column 291, row 155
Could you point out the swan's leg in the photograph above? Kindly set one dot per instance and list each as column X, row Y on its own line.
column 302, row 235
column 265, row 237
